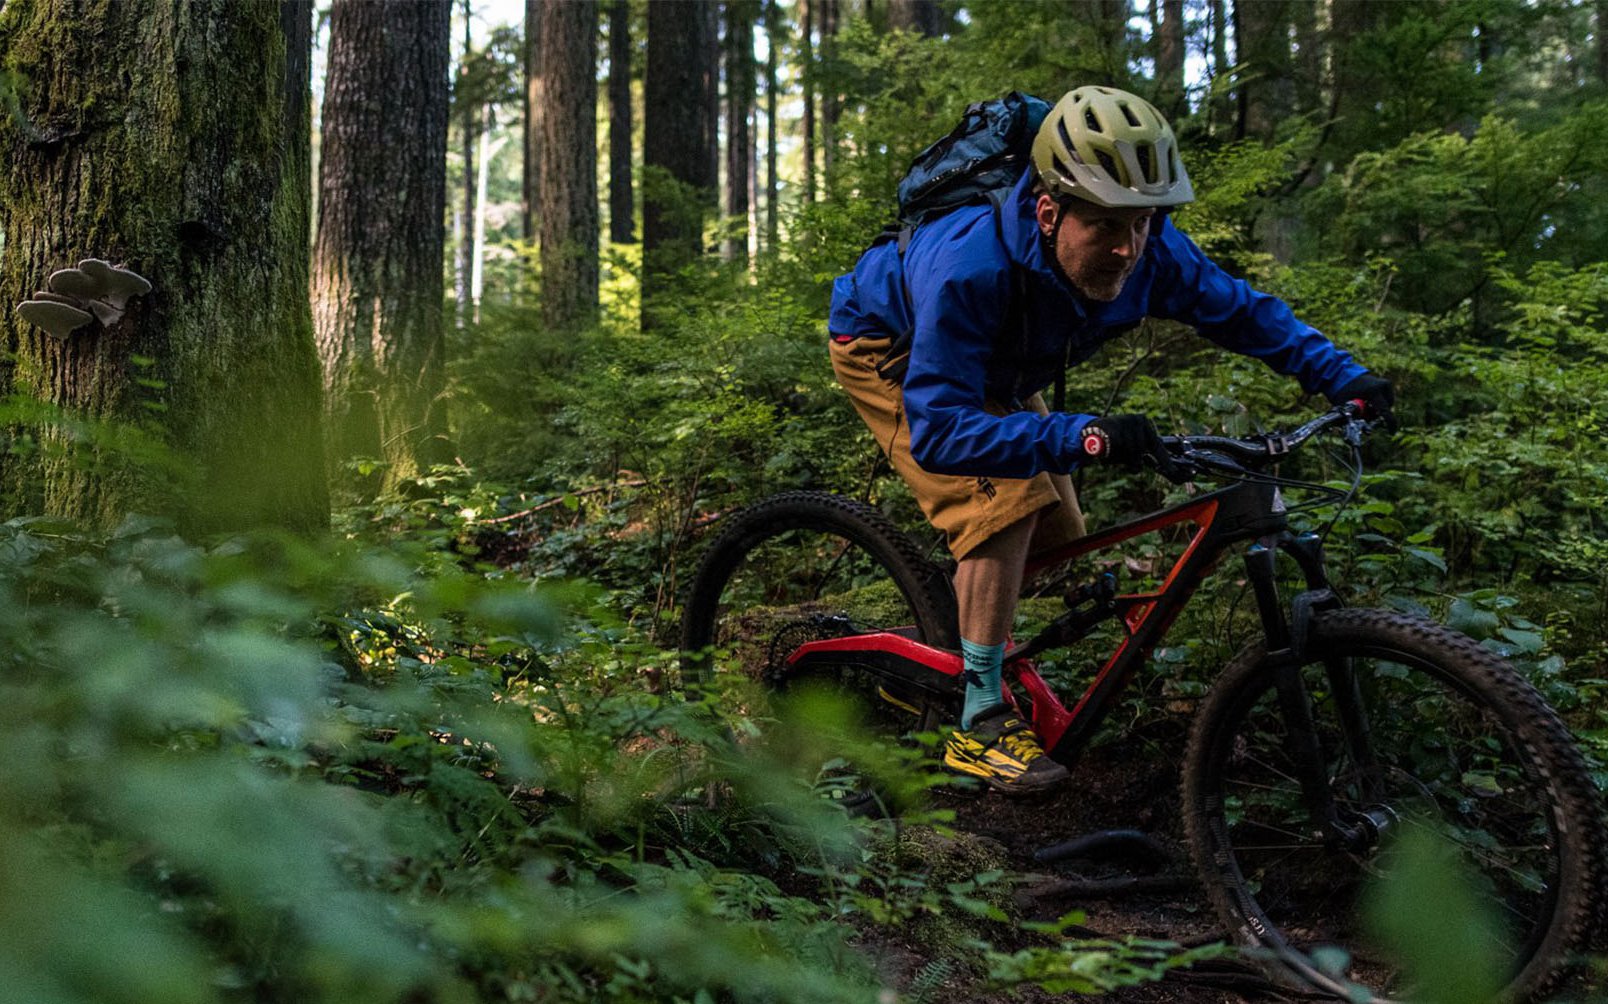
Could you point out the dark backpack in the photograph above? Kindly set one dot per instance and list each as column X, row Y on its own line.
column 981, row 158
column 979, row 161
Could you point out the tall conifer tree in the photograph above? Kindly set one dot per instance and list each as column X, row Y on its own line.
column 377, row 279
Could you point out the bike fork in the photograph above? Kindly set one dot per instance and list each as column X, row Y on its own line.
column 1287, row 650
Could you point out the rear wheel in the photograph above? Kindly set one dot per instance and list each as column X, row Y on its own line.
column 805, row 566
column 1439, row 739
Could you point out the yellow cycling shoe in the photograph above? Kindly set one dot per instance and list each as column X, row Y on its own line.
column 1003, row 751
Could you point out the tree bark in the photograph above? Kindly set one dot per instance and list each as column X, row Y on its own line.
column 920, row 16
column 739, row 132
column 679, row 177
column 622, row 226
column 171, row 138
column 1219, row 107
column 1170, row 56
column 568, row 205
column 1602, row 42
column 530, row 177
column 1308, row 62
column 1262, row 44
column 806, row 32
column 773, row 40
column 377, row 283
column 831, row 101
column 1110, row 18
column 468, row 133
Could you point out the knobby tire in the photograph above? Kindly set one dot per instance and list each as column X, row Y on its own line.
column 924, row 586
column 1232, row 787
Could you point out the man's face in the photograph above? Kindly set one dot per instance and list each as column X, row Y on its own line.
column 1097, row 247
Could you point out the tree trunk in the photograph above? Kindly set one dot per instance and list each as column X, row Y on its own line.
column 806, row 30
column 1602, row 42
column 679, row 178
column 1266, row 90
column 1308, row 63
column 171, row 138
column 1110, row 22
column 1170, row 56
column 831, row 101
column 622, row 226
column 1219, row 107
column 739, row 134
column 711, row 91
column 568, row 206
column 469, row 132
column 530, row 177
column 1354, row 88
column 773, row 39
column 377, row 283
column 920, row 16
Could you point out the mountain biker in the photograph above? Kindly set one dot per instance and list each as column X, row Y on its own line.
column 998, row 300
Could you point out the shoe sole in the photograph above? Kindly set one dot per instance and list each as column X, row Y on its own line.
column 1011, row 788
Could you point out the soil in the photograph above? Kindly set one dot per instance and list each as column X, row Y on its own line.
column 1141, row 886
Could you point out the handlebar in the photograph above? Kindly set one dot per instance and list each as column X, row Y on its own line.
column 1237, row 455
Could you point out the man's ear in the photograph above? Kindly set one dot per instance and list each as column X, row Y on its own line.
column 1046, row 212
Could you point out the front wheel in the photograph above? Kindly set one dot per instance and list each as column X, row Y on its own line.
column 1418, row 732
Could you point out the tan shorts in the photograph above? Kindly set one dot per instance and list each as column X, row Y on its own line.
column 969, row 510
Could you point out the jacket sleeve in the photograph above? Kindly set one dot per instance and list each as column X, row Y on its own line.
column 960, row 285
column 1191, row 288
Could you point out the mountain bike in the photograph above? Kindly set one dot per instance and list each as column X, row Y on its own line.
column 1325, row 740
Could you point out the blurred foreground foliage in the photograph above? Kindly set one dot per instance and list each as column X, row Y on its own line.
column 273, row 769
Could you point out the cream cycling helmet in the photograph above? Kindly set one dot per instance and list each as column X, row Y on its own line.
column 1110, row 148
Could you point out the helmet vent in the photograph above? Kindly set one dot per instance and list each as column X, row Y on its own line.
column 1127, row 113
column 1172, row 163
column 1147, row 161
column 1092, row 122
column 1066, row 137
column 1110, row 165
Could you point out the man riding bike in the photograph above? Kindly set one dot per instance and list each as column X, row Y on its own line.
column 997, row 301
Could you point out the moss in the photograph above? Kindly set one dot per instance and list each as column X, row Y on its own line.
column 939, row 859
column 166, row 149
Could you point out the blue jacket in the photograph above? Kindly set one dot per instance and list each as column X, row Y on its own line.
column 959, row 270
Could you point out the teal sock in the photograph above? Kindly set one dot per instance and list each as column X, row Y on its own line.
column 984, row 664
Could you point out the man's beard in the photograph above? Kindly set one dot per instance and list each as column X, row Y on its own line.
column 1102, row 286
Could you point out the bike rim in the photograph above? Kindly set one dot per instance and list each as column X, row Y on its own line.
column 1445, row 765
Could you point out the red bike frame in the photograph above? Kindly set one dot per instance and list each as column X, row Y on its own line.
column 1244, row 511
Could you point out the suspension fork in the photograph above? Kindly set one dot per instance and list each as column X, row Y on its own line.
column 1287, row 651
column 1307, row 551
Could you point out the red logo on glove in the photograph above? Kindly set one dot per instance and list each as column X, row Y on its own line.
column 1094, row 444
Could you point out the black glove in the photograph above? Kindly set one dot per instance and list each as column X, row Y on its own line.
column 1377, row 395
column 1132, row 442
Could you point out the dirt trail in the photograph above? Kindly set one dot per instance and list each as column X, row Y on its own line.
column 1130, row 784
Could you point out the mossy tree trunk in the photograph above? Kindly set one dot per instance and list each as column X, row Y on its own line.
column 172, row 138
column 377, row 261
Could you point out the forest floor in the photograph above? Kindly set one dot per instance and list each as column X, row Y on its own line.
column 1127, row 784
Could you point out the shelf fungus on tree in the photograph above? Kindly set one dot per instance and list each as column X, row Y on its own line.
column 95, row 290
